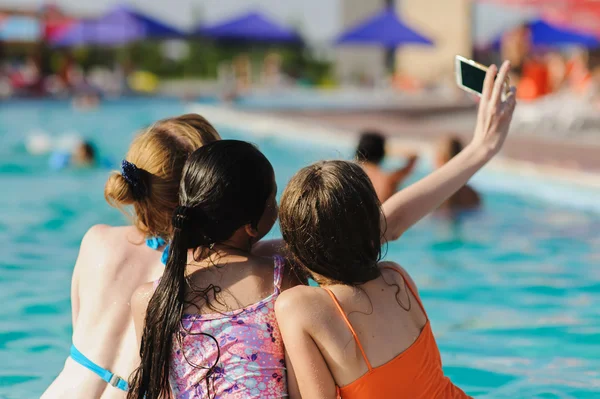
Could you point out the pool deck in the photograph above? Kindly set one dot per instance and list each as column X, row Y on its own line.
column 574, row 153
column 573, row 159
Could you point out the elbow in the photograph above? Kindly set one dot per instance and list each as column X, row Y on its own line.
column 393, row 230
column 391, row 236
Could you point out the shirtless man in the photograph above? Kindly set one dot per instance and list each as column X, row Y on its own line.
column 370, row 153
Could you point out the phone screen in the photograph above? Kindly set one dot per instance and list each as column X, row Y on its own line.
column 472, row 77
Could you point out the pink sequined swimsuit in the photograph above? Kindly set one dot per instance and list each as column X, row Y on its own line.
column 251, row 362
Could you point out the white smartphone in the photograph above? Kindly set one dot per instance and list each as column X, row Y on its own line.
column 470, row 75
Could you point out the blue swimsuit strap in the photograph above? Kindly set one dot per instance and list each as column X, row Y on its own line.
column 157, row 242
column 103, row 373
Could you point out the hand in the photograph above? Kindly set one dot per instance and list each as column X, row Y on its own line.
column 495, row 113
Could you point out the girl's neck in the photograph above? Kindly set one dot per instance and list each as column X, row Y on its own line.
column 219, row 254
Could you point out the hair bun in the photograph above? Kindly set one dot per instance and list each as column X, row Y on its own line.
column 117, row 191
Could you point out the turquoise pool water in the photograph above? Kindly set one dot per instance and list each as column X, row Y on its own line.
column 512, row 292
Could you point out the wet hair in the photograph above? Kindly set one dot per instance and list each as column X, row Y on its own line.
column 330, row 219
column 225, row 186
column 159, row 154
column 371, row 147
column 455, row 146
column 89, row 150
column 450, row 147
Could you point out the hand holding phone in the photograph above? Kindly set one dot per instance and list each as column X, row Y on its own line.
column 495, row 111
column 470, row 76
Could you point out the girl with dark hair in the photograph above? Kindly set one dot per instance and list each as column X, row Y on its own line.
column 209, row 328
column 364, row 332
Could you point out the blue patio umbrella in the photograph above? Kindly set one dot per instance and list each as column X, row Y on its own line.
column 384, row 29
column 544, row 34
column 249, row 27
column 119, row 26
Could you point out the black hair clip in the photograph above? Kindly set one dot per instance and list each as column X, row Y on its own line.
column 185, row 216
column 181, row 217
column 133, row 176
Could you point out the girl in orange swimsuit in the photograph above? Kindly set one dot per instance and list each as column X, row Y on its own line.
column 364, row 332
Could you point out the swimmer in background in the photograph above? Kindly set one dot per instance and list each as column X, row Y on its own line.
column 83, row 155
column 466, row 198
column 370, row 153
column 86, row 101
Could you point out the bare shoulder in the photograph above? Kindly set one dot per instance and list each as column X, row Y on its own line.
column 141, row 297
column 95, row 234
column 103, row 245
column 103, row 251
column 94, row 238
column 300, row 303
column 402, row 271
column 268, row 248
column 102, row 235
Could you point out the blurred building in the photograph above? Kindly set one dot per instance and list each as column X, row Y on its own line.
column 447, row 22
column 359, row 62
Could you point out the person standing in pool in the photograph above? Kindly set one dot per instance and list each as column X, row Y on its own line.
column 466, row 198
column 114, row 261
column 84, row 155
column 364, row 332
column 370, row 153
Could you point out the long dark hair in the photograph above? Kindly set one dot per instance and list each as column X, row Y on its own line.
column 330, row 219
column 225, row 185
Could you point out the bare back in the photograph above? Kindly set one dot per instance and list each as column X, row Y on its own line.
column 386, row 317
column 112, row 263
column 385, row 183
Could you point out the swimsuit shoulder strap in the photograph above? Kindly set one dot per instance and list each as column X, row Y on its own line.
column 341, row 310
column 278, row 273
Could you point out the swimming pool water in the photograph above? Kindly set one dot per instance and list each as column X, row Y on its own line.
column 512, row 292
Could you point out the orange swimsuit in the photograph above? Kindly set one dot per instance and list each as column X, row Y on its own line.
column 415, row 373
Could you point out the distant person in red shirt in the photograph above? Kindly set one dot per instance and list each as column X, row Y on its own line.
column 535, row 79
column 579, row 76
column 370, row 153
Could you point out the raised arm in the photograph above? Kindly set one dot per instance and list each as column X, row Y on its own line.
column 407, row 207
column 402, row 174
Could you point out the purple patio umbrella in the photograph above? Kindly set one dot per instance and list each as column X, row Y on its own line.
column 249, row 27
column 120, row 26
column 384, row 29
